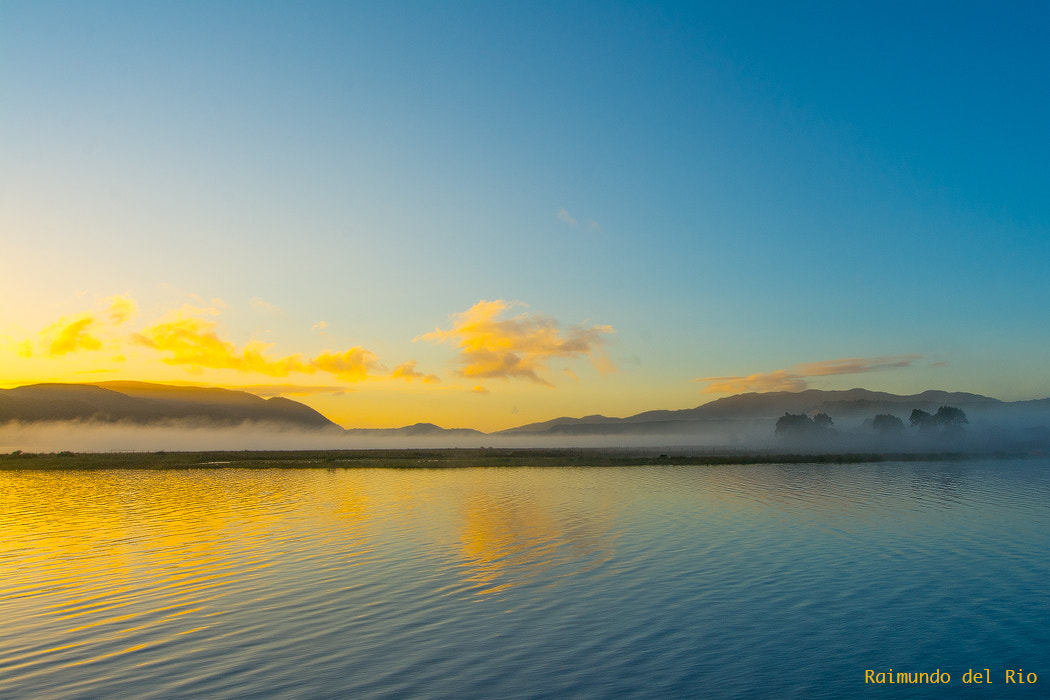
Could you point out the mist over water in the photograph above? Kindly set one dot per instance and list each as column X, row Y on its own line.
column 1019, row 433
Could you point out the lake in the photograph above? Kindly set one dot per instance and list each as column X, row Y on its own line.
column 656, row 581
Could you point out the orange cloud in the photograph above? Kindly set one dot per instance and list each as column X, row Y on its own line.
column 121, row 308
column 407, row 371
column 854, row 365
column 68, row 335
column 771, row 381
column 794, row 378
column 191, row 340
column 518, row 347
column 269, row 390
column 354, row 365
column 81, row 332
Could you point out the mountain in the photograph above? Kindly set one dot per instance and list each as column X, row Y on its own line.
column 143, row 403
column 752, row 410
column 743, row 419
column 419, row 430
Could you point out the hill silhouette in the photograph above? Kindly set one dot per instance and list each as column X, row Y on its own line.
column 740, row 419
column 143, row 403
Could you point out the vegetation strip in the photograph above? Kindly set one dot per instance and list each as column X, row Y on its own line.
column 437, row 458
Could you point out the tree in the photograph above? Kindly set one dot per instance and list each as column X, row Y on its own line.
column 947, row 422
column 950, row 416
column 950, row 421
column 922, row 420
column 794, row 425
column 800, row 426
column 886, row 425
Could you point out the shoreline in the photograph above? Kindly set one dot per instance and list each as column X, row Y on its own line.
column 443, row 458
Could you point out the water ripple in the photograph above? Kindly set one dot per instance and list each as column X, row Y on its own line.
column 735, row 581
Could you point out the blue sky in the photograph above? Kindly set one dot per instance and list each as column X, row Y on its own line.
column 748, row 191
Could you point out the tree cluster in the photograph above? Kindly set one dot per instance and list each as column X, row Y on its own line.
column 947, row 422
column 792, row 425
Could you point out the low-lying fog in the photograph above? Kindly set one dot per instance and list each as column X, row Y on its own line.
column 1020, row 433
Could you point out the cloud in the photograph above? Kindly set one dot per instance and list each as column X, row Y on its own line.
column 794, row 378
column 518, row 347
column 354, row 365
column 67, row 335
column 190, row 340
column 407, row 371
column 265, row 306
column 190, row 337
column 81, row 332
column 780, row 380
column 269, row 390
column 854, row 365
column 187, row 339
column 121, row 309
column 479, row 390
column 566, row 217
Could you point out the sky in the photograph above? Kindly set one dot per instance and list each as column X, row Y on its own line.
column 488, row 214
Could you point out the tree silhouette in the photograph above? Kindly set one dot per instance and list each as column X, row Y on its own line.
column 794, row 425
column 949, row 415
column 886, row 425
column 800, row 426
column 947, row 422
column 922, row 420
column 950, row 421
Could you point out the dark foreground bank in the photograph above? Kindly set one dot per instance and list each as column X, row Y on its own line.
column 440, row 458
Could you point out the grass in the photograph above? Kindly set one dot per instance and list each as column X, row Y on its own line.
column 427, row 459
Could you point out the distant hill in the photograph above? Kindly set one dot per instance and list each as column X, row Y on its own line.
column 143, row 403
column 753, row 409
column 741, row 419
column 415, row 431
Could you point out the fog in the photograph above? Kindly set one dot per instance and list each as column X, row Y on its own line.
column 1016, row 432
column 55, row 436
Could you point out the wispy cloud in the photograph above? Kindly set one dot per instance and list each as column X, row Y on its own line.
column 518, row 347
column 265, row 306
column 566, row 217
column 270, row 390
column 121, row 309
column 795, row 378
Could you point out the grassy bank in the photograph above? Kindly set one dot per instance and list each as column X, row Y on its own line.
column 436, row 458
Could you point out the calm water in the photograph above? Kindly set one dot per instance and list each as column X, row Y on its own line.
column 736, row 581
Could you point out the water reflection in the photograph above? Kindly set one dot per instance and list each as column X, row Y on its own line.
column 190, row 582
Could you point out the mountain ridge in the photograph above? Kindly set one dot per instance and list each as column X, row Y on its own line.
column 149, row 403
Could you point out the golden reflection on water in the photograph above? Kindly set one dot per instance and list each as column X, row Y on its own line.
column 515, row 527
column 496, row 532
column 98, row 564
